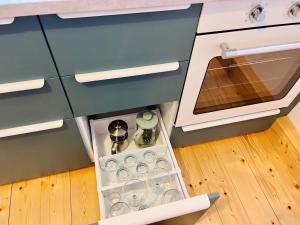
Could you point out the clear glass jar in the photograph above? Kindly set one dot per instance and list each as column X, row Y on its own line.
column 147, row 129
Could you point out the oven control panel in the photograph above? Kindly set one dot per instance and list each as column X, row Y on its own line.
column 236, row 14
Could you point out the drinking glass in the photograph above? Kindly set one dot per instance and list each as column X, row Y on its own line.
column 111, row 165
column 159, row 185
column 123, row 174
column 149, row 156
column 162, row 163
column 113, row 198
column 130, row 160
column 142, row 169
column 135, row 193
column 119, row 208
column 171, row 195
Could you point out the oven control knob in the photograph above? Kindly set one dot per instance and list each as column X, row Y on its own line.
column 294, row 10
column 257, row 14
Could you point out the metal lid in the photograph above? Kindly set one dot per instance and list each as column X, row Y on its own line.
column 147, row 120
column 118, row 128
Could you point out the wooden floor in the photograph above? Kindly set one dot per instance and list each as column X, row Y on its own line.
column 257, row 175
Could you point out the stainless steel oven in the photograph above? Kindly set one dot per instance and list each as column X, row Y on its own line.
column 248, row 70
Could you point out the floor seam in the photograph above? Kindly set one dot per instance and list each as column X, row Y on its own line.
column 260, row 185
column 10, row 198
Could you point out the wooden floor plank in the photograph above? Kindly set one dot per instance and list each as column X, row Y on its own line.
column 26, row 203
column 284, row 171
column 287, row 129
column 84, row 198
column 196, row 184
column 270, row 180
column 285, row 149
column 5, row 195
column 56, row 200
column 192, row 174
column 229, row 206
column 245, row 183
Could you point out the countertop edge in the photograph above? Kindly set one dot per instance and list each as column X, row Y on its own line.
column 11, row 10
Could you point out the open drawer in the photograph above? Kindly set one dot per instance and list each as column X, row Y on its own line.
column 130, row 196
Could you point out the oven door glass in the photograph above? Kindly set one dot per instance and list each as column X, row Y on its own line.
column 247, row 80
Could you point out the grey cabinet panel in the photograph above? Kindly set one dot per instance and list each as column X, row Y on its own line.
column 180, row 138
column 121, row 41
column 34, row 106
column 24, row 54
column 124, row 93
column 42, row 153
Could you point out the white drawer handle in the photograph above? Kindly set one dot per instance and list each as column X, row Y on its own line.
column 21, row 86
column 228, row 53
column 128, row 72
column 121, row 11
column 8, row 20
column 31, row 128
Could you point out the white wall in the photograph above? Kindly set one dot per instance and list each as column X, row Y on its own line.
column 295, row 116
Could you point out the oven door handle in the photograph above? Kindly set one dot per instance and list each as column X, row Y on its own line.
column 228, row 53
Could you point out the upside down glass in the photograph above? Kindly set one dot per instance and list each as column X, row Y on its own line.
column 119, row 208
column 171, row 195
column 135, row 193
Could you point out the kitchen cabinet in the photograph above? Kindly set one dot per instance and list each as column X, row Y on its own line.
column 38, row 135
column 45, row 103
column 106, row 64
column 124, row 93
column 24, row 52
column 84, row 45
column 40, row 149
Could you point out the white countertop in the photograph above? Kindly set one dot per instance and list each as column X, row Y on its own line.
column 15, row 8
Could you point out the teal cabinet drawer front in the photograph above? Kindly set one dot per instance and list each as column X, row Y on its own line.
column 42, row 153
column 112, row 42
column 24, row 53
column 33, row 106
column 124, row 93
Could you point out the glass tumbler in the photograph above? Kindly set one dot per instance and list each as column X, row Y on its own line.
column 119, row 208
column 162, row 163
column 123, row 174
column 135, row 193
column 113, row 198
column 142, row 170
column 130, row 160
column 171, row 195
column 110, row 166
column 149, row 156
column 159, row 185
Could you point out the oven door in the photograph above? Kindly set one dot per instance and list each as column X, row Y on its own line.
column 240, row 75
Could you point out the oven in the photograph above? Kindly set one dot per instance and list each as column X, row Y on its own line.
column 248, row 70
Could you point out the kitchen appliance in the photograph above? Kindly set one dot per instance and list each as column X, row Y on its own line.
column 147, row 131
column 118, row 130
column 243, row 68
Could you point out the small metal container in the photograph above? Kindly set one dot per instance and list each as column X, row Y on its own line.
column 118, row 130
